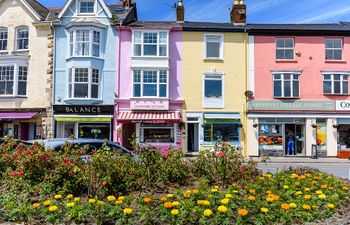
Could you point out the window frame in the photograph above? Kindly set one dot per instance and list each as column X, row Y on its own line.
column 17, row 39
column 71, row 82
column 213, row 142
column 333, row 49
column 282, row 79
column 341, row 74
column 284, row 48
column 158, row 43
column 4, row 30
column 141, row 83
column 86, row 13
column 221, row 50
column 73, row 42
column 172, row 128
column 213, row 103
column 16, row 80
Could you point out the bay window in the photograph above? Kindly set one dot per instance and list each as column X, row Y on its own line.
column 3, row 39
column 85, row 42
column 286, row 85
column 213, row 93
column 221, row 131
column 22, row 38
column 84, row 83
column 150, row 83
column 150, row 43
column 13, row 80
column 336, row 84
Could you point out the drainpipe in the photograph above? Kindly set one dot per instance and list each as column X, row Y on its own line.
column 118, row 78
column 247, row 86
column 53, row 82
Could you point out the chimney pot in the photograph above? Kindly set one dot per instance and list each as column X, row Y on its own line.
column 239, row 13
column 180, row 12
column 127, row 3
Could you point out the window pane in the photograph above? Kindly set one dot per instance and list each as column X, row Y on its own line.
column 327, row 77
column 337, row 89
column 137, row 50
column 162, row 90
column 345, row 87
column 159, row 135
column 289, row 54
column 137, row 90
column 87, row 6
column 288, row 43
column 295, row 88
column 150, row 50
column 327, row 87
column 277, row 77
column 150, row 38
column 337, row 54
column 213, row 89
column 22, row 80
column 329, row 43
column 337, row 43
column 150, row 90
column 96, row 50
column 162, row 50
column 279, row 54
column 226, row 132
column 3, row 39
column 277, row 89
column 94, row 91
column 287, row 89
column 280, row 43
column 213, row 50
column 22, row 38
column 287, row 77
column 137, row 37
column 81, row 90
column 163, row 37
column 336, row 77
column 6, row 80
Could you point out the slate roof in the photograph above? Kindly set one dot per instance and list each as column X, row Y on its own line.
column 39, row 8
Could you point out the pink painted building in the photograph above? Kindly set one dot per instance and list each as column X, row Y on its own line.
column 149, row 85
column 298, row 94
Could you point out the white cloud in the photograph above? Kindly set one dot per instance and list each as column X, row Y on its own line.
column 325, row 16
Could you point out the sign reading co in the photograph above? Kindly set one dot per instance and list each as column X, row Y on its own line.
column 343, row 105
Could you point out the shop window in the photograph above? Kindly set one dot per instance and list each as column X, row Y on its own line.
column 214, row 45
column 336, row 84
column 3, row 39
column 85, row 42
column 22, row 38
column 150, row 83
column 213, row 96
column 214, row 132
column 285, row 48
column 84, row 83
column 344, row 136
column 286, row 85
column 270, row 136
column 11, row 75
column 86, row 6
column 157, row 134
column 321, row 132
column 150, row 43
column 94, row 131
column 334, row 49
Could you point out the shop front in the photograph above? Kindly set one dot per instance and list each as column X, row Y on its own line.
column 161, row 129
column 93, row 122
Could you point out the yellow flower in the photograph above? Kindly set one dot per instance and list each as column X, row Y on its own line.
column 251, row 198
column 58, row 196
column 345, row 188
column 319, row 192
column 235, row 191
column 70, row 204
column 299, row 192
column 47, row 203
column 285, row 186
column 269, row 199
column 118, row 202
column 315, row 207
column 296, row 183
column 168, row 205
column 121, row 198
column 292, row 205
column 195, row 191
column 170, row 195
column 322, row 196
column 228, row 196
column 217, row 187
column 176, row 203
column 147, row 200
column 92, row 201
column 225, row 201
column 268, row 192
column 186, row 195
column 264, row 210
column 252, row 191
column 243, row 212
column 127, row 211
column 175, row 212
column 331, row 206
column 36, row 205
column 302, row 177
column 222, row 209
column 163, row 199
column 307, row 189
column 53, row 208
column 214, row 190
column 77, row 199
column 306, row 207
column 111, row 198
column 100, row 202
column 307, row 197
column 70, row 196
column 208, row 213
column 285, row 206
column 206, row 202
column 294, row 175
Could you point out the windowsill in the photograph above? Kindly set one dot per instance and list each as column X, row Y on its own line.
column 3, row 52
column 149, row 98
column 150, row 57
column 83, row 100
column 335, row 61
column 287, row 98
column 90, row 57
column 213, row 59
column 286, row 61
column 159, row 144
column 336, row 94
column 21, row 51
column 214, row 143
column 12, row 96
column 86, row 14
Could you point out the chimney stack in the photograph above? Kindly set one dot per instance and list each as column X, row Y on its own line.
column 127, row 3
column 180, row 12
column 239, row 13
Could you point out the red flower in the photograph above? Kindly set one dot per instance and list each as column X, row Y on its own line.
column 220, row 154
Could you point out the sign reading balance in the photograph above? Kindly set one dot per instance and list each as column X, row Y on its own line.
column 342, row 105
column 84, row 109
column 149, row 104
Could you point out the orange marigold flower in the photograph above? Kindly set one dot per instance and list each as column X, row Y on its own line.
column 285, row 206
column 306, row 207
column 168, row 205
column 307, row 197
column 324, row 186
column 276, row 198
column 268, row 192
column 195, row 191
column 314, row 182
column 251, row 198
column 243, row 212
column 252, row 191
column 200, row 202
column 147, row 200
column 163, row 199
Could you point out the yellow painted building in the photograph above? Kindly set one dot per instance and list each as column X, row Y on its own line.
column 214, row 85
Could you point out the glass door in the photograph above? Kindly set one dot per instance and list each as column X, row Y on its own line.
column 300, row 139
column 69, row 130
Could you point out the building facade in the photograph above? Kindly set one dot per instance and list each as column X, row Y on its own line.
column 149, row 85
column 298, row 79
column 84, row 84
column 26, row 52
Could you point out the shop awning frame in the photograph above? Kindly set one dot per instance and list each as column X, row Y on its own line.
column 17, row 115
column 86, row 119
column 129, row 116
column 223, row 116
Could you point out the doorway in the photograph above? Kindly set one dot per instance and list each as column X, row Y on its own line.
column 69, row 130
column 295, row 133
column 192, row 137
column 129, row 138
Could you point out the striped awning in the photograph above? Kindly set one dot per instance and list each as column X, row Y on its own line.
column 149, row 116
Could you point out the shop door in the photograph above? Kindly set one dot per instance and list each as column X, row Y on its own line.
column 192, row 137
column 300, row 139
column 129, row 132
column 69, row 129
column 294, row 132
column 25, row 131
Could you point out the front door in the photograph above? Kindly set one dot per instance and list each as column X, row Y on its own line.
column 25, row 131
column 294, row 139
column 192, row 137
column 300, row 139
column 129, row 138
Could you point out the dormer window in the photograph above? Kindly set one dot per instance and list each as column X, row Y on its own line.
column 86, row 6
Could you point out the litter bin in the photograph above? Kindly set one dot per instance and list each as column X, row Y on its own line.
column 314, row 154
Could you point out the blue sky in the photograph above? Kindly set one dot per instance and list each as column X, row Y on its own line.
column 259, row 11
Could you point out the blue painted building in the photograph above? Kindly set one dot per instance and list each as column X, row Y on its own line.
column 84, row 66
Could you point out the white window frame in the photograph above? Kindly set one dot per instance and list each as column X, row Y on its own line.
column 142, row 43
column 213, row 103
column 88, row 13
column 221, row 36
column 282, row 74
column 332, row 49
column 17, row 39
column 341, row 74
column 4, row 30
column 16, row 79
column 173, row 129
column 142, row 83
column 285, row 48
column 72, row 45
column 90, row 83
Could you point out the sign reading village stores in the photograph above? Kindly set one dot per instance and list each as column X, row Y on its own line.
column 84, row 109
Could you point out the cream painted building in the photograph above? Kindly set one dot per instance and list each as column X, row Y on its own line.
column 26, row 58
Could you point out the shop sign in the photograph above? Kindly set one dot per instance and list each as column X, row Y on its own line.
column 291, row 105
column 84, row 109
column 149, row 104
column 343, row 105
